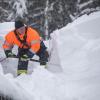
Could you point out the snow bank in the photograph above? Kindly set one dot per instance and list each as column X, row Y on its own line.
column 79, row 50
column 78, row 41
column 9, row 87
column 38, row 86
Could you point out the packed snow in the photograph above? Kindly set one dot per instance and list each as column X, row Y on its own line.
column 76, row 48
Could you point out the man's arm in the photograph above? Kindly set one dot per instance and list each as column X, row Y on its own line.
column 8, row 45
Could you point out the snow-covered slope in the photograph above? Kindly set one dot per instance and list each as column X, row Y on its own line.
column 79, row 50
column 78, row 46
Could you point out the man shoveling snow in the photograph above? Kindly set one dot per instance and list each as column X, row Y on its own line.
column 29, row 44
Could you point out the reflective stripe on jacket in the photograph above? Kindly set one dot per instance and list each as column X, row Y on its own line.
column 33, row 40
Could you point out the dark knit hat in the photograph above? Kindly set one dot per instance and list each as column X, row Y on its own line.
column 18, row 24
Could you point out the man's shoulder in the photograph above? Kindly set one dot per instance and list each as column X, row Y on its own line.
column 11, row 33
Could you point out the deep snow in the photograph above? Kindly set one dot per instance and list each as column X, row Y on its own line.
column 78, row 48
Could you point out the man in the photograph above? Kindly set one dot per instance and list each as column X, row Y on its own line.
column 29, row 43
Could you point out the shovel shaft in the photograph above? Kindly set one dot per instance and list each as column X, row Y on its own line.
column 2, row 59
column 37, row 60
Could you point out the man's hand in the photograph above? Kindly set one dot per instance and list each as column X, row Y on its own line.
column 24, row 57
column 10, row 54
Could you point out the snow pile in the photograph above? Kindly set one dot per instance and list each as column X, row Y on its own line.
column 9, row 87
column 79, row 50
column 78, row 46
column 80, row 42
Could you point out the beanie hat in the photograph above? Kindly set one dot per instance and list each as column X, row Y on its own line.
column 18, row 24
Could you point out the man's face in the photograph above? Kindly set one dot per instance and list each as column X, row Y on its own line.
column 21, row 30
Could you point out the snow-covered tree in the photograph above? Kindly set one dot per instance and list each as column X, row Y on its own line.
column 19, row 9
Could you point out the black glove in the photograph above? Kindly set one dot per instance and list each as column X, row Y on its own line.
column 9, row 53
column 27, row 56
column 24, row 57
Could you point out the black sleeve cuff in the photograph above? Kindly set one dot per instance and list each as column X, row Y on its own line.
column 30, row 54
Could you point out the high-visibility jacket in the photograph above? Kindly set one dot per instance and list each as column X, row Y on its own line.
column 33, row 40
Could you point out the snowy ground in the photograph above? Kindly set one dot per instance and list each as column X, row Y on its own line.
column 78, row 48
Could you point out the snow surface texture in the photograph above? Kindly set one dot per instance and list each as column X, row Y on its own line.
column 78, row 46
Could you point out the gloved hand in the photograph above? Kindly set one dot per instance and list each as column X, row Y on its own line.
column 9, row 53
column 24, row 57
column 27, row 56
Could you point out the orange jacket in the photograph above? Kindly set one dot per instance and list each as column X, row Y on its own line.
column 33, row 40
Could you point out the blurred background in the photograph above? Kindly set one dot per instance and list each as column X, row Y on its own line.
column 46, row 15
